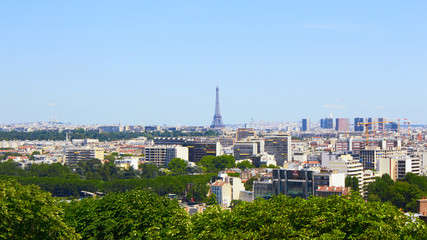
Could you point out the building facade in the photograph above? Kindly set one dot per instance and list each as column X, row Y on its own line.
column 162, row 155
column 305, row 125
column 280, row 147
column 75, row 155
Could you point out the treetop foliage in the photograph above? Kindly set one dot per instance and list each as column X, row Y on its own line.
column 213, row 164
column 26, row 212
column 316, row 218
column 130, row 215
column 402, row 193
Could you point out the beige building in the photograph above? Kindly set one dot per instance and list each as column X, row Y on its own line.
column 74, row 155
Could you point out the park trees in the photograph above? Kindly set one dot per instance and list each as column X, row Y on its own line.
column 402, row 193
column 245, row 165
column 26, row 212
column 177, row 166
column 131, row 215
column 352, row 182
column 213, row 164
column 283, row 217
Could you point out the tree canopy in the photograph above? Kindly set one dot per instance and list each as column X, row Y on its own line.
column 283, row 217
column 130, row 215
column 352, row 182
column 177, row 166
column 213, row 164
column 402, row 193
column 26, row 212
column 245, row 165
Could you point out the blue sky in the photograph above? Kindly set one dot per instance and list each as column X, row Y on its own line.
column 159, row 62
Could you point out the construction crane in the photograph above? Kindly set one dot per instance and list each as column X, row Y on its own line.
column 367, row 129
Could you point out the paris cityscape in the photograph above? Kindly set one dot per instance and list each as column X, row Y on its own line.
column 190, row 120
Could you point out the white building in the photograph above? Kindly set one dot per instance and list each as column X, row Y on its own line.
column 127, row 163
column 227, row 189
column 345, row 164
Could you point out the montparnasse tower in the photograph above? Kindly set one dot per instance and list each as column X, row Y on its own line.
column 217, row 119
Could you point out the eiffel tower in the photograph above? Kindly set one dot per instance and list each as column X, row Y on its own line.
column 217, row 119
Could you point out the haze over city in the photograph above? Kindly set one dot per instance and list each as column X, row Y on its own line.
column 159, row 62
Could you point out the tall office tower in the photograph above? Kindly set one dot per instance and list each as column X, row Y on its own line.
column 327, row 123
column 370, row 126
column 243, row 133
column 358, row 128
column 305, row 125
column 280, row 147
column 342, row 124
column 217, row 119
column 381, row 123
column 392, row 126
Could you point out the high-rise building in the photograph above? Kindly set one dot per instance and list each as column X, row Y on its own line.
column 370, row 158
column 305, row 125
column 217, row 119
column 357, row 127
column 381, row 123
column 392, row 126
column 280, row 147
column 370, row 126
column 327, row 123
column 342, row 124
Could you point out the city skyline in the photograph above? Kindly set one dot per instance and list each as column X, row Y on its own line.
column 150, row 63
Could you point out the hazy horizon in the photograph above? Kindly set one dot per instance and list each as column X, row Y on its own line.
column 155, row 63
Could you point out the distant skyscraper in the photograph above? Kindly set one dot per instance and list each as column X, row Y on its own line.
column 217, row 119
column 305, row 125
column 341, row 124
column 381, row 123
column 327, row 123
column 358, row 128
column 370, row 126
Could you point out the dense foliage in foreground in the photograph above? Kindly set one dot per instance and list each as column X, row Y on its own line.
column 141, row 215
column 26, row 212
column 403, row 193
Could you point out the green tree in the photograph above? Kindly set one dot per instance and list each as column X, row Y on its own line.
column 213, row 164
column 211, row 200
column 249, row 184
column 402, row 193
column 352, row 182
column 281, row 217
column 26, row 212
column 149, row 170
column 131, row 215
column 198, row 192
column 11, row 168
column 245, row 165
column 177, row 166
